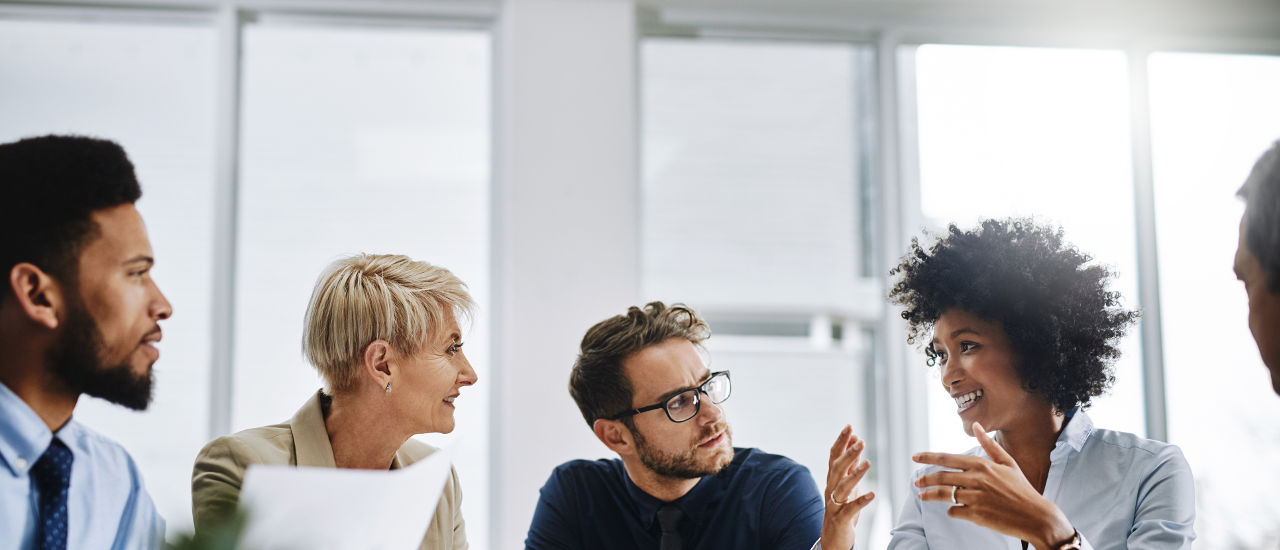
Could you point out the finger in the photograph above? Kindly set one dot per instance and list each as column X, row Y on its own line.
column 994, row 450
column 942, row 494
column 964, row 512
column 837, row 450
column 946, row 477
column 842, row 441
column 844, row 463
column 854, row 506
column 844, row 466
column 845, row 486
column 947, row 460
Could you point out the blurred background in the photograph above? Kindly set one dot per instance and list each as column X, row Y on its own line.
column 765, row 161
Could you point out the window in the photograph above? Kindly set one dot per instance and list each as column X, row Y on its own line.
column 1038, row 132
column 101, row 79
column 359, row 140
column 1212, row 116
column 750, row 172
column 753, row 214
column 353, row 139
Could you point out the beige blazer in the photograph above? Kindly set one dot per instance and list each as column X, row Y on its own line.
column 303, row 441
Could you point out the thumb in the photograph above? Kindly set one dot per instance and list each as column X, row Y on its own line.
column 994, row 450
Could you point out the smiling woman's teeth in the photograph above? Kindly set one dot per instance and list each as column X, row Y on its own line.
column 448, row 400
column 967, row 399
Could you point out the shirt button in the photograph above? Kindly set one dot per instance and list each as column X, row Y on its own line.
column 21, row 463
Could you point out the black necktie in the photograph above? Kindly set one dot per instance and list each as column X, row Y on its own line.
column 669, row 516
column 52, row 474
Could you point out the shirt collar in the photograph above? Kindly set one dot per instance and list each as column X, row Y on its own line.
column 696, row 500
column 1074, row 435
column 23, row 435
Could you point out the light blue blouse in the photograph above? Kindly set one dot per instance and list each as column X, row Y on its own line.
column 1119, row 490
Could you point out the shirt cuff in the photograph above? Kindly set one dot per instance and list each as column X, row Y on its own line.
column 1084, row 543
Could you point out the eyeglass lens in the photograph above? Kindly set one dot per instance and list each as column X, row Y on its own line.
column 685, row 405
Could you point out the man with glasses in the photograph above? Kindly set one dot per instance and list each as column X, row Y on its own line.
column 642, row 383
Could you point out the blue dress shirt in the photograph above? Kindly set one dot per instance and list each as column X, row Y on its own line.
column 107, row 506
column 1120, row 491
column 759, row 501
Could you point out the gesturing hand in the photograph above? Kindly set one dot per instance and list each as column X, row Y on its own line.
column 994, row 494
column 843, row 504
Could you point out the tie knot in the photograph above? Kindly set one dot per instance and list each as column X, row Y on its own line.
column 53, row 470
column 669, row 516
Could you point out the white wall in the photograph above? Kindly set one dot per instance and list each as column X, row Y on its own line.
column 566, row 246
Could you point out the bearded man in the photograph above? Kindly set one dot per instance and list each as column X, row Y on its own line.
column 79, row 314
column 644, row 388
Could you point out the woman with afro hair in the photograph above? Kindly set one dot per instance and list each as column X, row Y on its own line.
column 1024, row 332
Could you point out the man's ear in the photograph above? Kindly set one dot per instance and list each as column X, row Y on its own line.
column 614, row 434
column 36, row 294
column 377, row 362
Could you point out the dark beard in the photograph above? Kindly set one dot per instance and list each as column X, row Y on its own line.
column 678, row 466
column 76, row 360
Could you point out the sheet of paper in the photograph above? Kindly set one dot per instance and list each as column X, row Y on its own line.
column 330, row 508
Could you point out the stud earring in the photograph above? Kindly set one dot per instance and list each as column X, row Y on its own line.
column 388, row 387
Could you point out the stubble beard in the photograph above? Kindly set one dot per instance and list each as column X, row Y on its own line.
column 76, row 360
column 682, row 465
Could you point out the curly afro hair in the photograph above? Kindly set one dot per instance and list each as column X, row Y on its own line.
column 1061, row 320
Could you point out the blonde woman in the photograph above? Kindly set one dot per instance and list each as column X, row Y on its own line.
column 382, row 331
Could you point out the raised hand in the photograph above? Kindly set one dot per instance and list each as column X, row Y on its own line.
column 843, row 503
column 994, row 494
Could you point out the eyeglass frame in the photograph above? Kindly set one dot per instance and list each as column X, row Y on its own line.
column 697, row 407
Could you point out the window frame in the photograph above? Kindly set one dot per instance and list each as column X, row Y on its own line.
column 893, row 170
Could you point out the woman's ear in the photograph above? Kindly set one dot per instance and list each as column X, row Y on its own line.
column 614, row 435
column 377, row 362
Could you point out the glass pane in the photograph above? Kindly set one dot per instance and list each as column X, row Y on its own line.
column 150, row 88
column 1212, row 116
column 749, row 173
column 751, row 213
column 1031, row 131
column 791, row 398
column 359, row 140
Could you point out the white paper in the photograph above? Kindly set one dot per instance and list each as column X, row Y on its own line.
column 303, row 508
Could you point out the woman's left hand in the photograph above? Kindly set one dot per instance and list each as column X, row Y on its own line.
column 994, row 494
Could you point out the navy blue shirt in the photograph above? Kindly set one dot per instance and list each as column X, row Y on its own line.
column 759, row 501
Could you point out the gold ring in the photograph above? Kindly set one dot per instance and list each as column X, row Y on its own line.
column 954, row 488
column 837, row 502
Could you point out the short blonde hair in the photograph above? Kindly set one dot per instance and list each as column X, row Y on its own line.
column 367, row 297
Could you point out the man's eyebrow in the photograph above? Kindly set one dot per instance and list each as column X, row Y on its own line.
column 678, row 391
column 141, row 258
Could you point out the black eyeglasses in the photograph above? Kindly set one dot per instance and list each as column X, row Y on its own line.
column 685, row 404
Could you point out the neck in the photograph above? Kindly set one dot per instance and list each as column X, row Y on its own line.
column 1031, row 442
column 23, row 372
column 360, row 434
column 658, row 486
